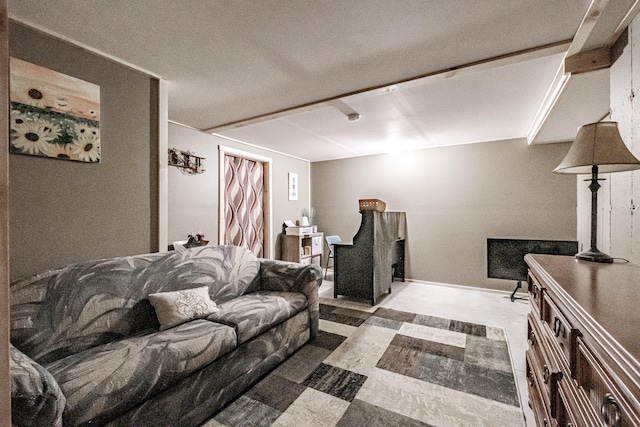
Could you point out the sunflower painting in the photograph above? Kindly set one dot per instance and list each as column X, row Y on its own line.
column 53, row 115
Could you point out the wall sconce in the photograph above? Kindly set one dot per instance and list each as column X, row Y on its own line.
column 186, row 161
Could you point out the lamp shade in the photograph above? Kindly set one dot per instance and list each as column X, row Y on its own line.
column 598, row 144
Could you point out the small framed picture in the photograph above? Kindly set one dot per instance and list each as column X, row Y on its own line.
column 293, row 186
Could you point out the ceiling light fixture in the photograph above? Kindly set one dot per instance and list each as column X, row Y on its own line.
column 353, row 117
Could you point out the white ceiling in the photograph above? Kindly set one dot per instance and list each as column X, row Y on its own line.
column 284, row 74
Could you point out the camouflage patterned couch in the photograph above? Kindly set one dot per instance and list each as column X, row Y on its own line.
column 87, row 347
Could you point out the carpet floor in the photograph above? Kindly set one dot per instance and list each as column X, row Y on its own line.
column 386, row 368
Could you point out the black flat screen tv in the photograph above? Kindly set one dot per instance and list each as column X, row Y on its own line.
column 505, row 257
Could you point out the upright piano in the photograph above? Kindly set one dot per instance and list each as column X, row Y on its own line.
column 366, row 267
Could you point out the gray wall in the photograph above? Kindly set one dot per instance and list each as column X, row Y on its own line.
column 62, row 211
column 193, row 199
column 455, row 198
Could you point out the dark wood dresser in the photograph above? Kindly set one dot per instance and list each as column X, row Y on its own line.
column 583, row 364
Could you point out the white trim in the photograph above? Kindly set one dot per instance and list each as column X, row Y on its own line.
column 185, row 126
column 244, row 154
column 257, row 146
column 228, row 138
column 465, row 287
column 221, row 198
column 269, row 250
column 551, row 98
column 309, row 189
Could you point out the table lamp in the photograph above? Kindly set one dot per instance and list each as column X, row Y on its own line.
column 598, row 147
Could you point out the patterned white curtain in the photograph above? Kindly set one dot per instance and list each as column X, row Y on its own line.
column 244, row 210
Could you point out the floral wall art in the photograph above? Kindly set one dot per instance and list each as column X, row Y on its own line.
column 53, row 114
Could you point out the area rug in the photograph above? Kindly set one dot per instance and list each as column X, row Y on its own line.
column 382, row 367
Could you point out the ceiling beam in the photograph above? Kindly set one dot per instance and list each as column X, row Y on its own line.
column 596, row 59
column 581, row 57
column 472, row 67
column 589, row 21
column 590, row 60
column 626, row 21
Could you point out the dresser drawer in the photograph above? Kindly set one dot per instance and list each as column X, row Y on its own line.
column 535, row 293
column 600, row 391
column 537, row 400
column 577, row 410
column 562, row 332
column 545, row 367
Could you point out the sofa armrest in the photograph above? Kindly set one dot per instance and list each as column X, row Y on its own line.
column 292, row 277
column 36, row 398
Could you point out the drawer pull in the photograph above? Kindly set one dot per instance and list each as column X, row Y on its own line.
column 610, row 411
column 532, row 338
column 557, row 326
column 546, row 374
column 530, row 377
column 546, row 422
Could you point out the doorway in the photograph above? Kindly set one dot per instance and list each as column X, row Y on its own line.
column 245, row 201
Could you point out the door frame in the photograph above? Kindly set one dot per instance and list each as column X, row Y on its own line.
column 266, row 194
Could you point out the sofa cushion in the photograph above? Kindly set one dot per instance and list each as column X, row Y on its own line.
column 175, row 308
column 95, row 302
column 254, row 313
column 105, row 381
column 36, row 398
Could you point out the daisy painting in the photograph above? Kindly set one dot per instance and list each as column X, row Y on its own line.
column 53, row 115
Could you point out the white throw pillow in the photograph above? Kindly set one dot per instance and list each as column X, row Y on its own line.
column 174, row 308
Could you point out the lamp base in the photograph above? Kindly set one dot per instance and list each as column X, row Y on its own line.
column 594, row 255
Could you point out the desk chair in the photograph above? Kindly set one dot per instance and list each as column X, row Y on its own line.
column 331, row 240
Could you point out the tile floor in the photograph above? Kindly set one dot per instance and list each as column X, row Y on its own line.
column 462, row 303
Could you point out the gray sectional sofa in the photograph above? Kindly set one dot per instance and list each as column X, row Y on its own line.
column 87, row 347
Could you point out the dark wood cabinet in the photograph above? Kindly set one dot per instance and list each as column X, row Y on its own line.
column 366, row 267
column 583, row 364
